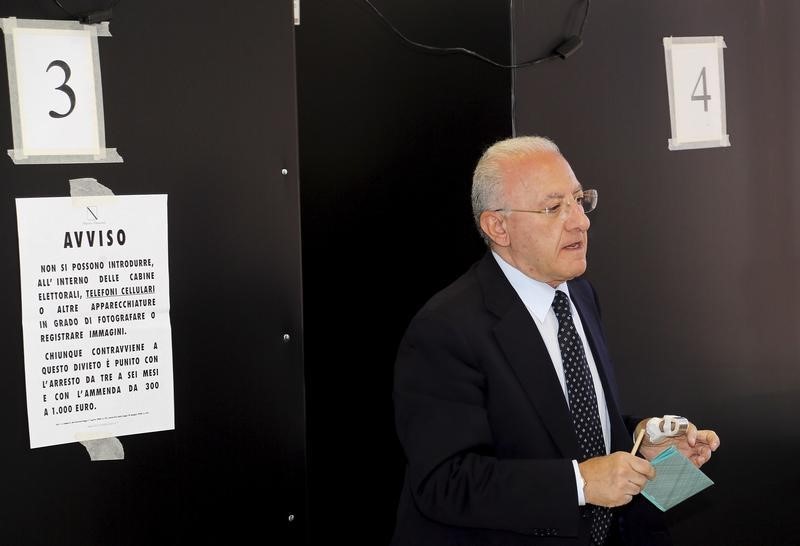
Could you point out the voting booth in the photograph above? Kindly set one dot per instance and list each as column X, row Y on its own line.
column 153, row 328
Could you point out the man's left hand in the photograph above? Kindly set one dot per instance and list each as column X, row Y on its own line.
column 696, row 445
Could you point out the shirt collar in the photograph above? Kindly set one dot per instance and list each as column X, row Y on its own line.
column 536, row 295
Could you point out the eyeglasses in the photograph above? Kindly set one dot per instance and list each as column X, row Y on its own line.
column 586, row 199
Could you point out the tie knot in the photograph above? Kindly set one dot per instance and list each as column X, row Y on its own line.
column 561, row 306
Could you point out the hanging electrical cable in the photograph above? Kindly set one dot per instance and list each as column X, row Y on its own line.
column 566, row 48
column 90, row 17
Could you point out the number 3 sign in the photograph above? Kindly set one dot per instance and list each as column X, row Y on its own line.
column 55, row 90
column 696, row 87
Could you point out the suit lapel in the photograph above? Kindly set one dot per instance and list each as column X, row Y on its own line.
column 620, row 440
column 522, row 345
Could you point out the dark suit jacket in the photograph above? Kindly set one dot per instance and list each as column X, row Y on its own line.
column 486, row 429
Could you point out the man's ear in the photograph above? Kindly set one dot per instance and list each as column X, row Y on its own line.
column 493, row 225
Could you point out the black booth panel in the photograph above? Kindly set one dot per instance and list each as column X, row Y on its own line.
column 694, row 253
column 200, row 102
column 389, row 136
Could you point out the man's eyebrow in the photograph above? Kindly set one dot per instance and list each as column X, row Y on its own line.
column 560, row 195
column 556, row 194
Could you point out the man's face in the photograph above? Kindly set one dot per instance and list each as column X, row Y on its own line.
column 547, row 247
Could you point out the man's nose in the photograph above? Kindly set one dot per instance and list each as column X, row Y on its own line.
column 576, row 217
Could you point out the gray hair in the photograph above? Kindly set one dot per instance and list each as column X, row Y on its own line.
column 487, row 180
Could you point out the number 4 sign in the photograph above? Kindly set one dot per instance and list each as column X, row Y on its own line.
column 56, row 93
column 696, row 88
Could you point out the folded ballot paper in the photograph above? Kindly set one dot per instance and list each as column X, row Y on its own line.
column 676, row 480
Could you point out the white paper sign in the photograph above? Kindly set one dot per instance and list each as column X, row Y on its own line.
column 95, row 317
column 56, row 94
column 696, row 89
column 55, row 75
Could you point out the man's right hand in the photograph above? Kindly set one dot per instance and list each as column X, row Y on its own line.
column 613, row 480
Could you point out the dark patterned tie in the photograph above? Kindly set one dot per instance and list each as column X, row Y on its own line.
column 582, row 402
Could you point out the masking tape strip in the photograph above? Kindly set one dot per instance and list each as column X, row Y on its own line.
column 693, row 39
column 104, row 449
column 85, row 190
column 106, row 155
column 99, row 29
column 88, row 192
column 718, row 143
column 81, row 187
column 103, row 29
column 721, row 63
column 98, row 97
column 103, row 155
column 670, row 90
column 8, row 25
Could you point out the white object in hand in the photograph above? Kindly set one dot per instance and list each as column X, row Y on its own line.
column 668, row 426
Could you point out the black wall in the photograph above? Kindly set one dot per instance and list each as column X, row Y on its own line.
column 200, row 102
column 388, row 139
column 695, row 253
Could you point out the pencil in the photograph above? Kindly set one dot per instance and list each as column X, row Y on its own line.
column 638, row 442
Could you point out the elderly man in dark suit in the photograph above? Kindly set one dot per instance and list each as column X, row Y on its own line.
column 505, row 397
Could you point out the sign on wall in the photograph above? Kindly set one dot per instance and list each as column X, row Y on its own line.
column 95, row 317
column 696, row 90
column 56, row 92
